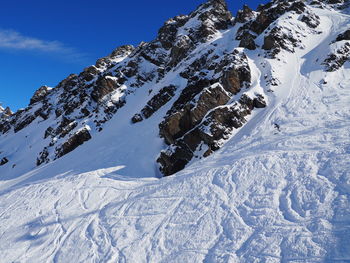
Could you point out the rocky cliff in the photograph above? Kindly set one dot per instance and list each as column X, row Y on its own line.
column 195, row 76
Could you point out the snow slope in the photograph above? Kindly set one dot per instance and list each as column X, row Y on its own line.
column 273, row 193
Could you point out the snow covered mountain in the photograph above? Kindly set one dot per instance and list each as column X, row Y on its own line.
column 250, row 114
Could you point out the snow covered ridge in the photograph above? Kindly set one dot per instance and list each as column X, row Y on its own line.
column 195, row 81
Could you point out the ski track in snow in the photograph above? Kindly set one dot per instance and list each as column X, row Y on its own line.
column 266, row 196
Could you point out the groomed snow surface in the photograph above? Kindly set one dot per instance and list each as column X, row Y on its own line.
column 273, row 193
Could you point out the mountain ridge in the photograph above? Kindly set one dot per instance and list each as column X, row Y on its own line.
column 276, row 190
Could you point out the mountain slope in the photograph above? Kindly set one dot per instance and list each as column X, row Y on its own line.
column 277, row 191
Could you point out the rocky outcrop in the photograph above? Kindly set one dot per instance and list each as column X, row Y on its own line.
column 73, row 142
column 104, row 85
column 244, row 15
column 40, row 94
column 280, row 38
column 208, row 136
column 5, row 113
column 337, row 59
column 344, row 36
column 256, row 23
column 158, row 101
column 177, row 124
column 204, row 113
column 203, row 93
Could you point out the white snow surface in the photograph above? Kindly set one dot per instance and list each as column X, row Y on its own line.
column 269, row 195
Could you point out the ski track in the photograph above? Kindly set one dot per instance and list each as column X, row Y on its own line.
column 266, row 196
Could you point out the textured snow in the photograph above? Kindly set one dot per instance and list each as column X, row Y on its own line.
column 269, row 195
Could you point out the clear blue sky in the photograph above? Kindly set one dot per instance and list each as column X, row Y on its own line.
column 41, row 41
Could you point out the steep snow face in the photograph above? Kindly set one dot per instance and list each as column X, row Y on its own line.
column 277, row 191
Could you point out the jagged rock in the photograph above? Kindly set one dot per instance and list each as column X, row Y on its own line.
column 311, row 20
column 180, row 49
column 89, row 73
column 268, row 14
column 122, row 51
column 244, row 15
column 193, row 112
column 344, row 36
column 336, row 60
column 73, row 142
column 279, row 38
column 159, row 100
column 167, row 33
column 40, row 94
column 217, row 126
column 137, row 118
column 69, row 82
column 5, row 113
column 104, row 86
column 233, row 80
column 24, row 123
column 4, row 161
column 43, row 157
column 259, row 102
column 247, row 41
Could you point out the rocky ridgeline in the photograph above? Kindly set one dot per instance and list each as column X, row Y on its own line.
column 202, row 114
column 341, row 54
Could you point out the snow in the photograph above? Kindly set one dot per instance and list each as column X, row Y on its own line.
column 266, row 196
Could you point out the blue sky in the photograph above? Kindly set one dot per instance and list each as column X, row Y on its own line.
column 41, row 42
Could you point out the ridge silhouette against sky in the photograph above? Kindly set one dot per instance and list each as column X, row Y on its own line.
column 42, row 42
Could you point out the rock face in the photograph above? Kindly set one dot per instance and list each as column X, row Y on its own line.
column 76, row 140
column 208, row 135
column 39, row 94
column 336, row 60
column 192, row 77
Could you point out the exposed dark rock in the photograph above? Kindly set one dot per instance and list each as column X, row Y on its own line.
column 259, row 102
column 49, row 132
column 167, row 33
column 40, row 94
column 104, row 86
column 68, row 83
column 335, row 61
column 344, row 36
column 216, row 126
column 267, row 15
column 5, row 113
column 137, row 118
column 89, row 73
column 180, row 49
column 73, row 142
column 154, row 104
column 280, row 38
column 43, row 157
column 122, row 51
column 311, row 20
column 4, row 161
column 247, row 41
column 244, row 15
column 178, row 124
column 24, row 123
